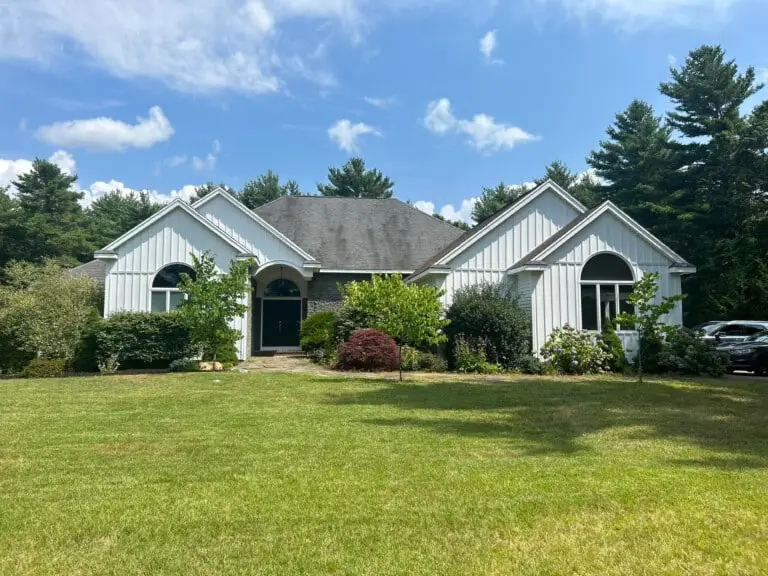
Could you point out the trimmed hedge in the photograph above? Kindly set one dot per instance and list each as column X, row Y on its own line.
column 138, row 339
column 45, row 368
column 369, row 350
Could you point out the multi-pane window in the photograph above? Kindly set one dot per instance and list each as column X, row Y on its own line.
column 165, row 287
column 606, row 284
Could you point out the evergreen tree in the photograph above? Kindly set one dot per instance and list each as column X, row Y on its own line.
column 205, row 189
column 581, row 186
column 113, row 214
column 11, row 230
column 52, row 218
column 354, row 181
column 634, row 163
column 267, row 188
column 716, row 179
column 497, row 198
column 461, row 225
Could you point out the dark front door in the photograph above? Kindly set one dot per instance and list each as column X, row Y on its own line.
column 282, row 321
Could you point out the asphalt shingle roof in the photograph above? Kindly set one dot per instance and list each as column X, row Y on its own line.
column 359, row 233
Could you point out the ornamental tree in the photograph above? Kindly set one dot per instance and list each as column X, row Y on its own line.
column 213, row 301
column 410, row 313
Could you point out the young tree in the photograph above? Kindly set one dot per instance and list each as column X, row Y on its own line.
column 44, row 310
column 647, row 316
column 213, row 301
column 496, row 198
column 410, row 313
column 267, row 188
column 354, row 181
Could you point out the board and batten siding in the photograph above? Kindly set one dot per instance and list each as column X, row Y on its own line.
column 256, row 238
column 556, row 293
column 170, row 240
column 489, row 258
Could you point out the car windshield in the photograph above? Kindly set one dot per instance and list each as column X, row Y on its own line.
column 759, row 337
column 711, row 328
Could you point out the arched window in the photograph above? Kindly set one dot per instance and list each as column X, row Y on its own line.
column 606, row 280
column 282, row 288
column 165, row 287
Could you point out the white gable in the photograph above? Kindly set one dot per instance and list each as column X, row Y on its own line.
column 260, row 239
column 488, row 258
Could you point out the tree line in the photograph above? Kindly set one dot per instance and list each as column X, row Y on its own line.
column 696, row 177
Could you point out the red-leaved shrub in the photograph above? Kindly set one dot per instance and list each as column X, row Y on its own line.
column 369, row 350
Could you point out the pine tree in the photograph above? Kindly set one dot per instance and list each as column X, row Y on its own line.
column 53, row 222
column 112, row 215
column 496, row 198
column 634, row 163
column 11, row 230
column 354, row 181
column 204, row 189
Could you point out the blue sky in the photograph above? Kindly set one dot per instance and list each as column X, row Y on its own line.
column 444, row 96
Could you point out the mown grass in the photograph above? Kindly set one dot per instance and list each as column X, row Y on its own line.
column 293, row 474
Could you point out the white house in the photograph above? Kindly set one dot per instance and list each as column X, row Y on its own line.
column 566, row 264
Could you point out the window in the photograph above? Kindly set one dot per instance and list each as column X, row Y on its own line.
column 282, row 289
column 165, row 291
column 606, row 284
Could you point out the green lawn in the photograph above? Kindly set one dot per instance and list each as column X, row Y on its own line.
column 289, row 474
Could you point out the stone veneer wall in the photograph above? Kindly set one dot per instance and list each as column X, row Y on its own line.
column 323, row 291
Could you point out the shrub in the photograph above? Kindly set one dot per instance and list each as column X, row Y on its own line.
column 226, row 353
column 369, row 350
column 109, row 365
column 573, row 352
column 45, row 368
column 490, row 314
column 184, row 365
column 13, row 358
column 317, row 334
column 44, row 311
column 617, row 357
column 430, row 362
column 531, row 365
column 470, row 357
column 348, row 321
column 410, row 360
column 685, row 353
column 141, row 339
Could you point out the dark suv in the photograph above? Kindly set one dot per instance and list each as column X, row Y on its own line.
column 750, row 355
column 721, row 333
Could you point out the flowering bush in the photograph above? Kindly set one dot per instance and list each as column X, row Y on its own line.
column 573, row 352
column 369, row 350
column 683, row 352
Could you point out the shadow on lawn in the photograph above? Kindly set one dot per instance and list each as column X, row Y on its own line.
column 727, row 417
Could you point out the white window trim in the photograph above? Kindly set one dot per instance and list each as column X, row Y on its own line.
column 168, row 292
column 597, row 284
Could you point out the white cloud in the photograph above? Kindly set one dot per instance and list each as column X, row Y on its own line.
column 382, row 103
column 484, row 133
column 464, row 213
column 23, row 125
column 209, row 161
column 195, row 46
column 636, row 13
column 424, row 206
column 488, row 44
column 101, row 188
column 671, row 60
column 10, row 170
column 176, row 161
column 762, row 75
column 108, row 134
column 345, row 134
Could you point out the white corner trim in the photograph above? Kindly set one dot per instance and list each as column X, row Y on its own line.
column 103, row 255
column 256, row 218
column 683, row 270
column 174, row 204
column 511, row 211
column 609, row 206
